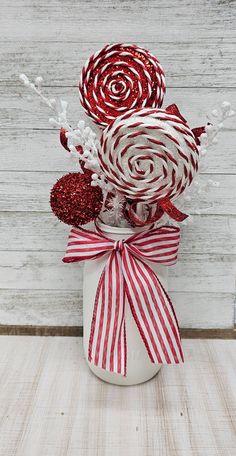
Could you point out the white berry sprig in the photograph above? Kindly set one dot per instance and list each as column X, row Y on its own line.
column 82, row 136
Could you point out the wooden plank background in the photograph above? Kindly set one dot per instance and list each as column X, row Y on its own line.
column 195, row 43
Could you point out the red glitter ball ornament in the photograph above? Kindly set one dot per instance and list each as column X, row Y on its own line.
column 118, row 78
column 74, row 201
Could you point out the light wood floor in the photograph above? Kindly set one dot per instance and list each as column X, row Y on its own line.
column 51, row 405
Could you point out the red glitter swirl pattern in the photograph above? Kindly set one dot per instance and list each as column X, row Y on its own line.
column 118, row 78
column 148, row 155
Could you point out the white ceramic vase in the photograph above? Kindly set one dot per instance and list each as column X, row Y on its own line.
column 139, row 367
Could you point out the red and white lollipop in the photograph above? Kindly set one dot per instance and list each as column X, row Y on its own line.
column 118, row 78
column 149, row 156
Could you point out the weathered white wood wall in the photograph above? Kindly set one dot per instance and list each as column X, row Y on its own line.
column 195, row 42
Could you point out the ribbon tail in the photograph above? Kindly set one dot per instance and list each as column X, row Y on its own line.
column 152, row 311
column 172, row 210
column 107, row 343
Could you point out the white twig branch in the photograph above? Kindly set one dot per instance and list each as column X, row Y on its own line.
column 82, row 136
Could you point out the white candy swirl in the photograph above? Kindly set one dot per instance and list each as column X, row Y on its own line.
column 149, row 154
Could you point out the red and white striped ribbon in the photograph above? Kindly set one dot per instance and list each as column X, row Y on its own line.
column 128, row 279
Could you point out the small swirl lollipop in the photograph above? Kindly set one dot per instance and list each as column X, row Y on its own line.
column 118, row 78
column 149, row 156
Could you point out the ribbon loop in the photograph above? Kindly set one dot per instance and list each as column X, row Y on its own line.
column 128, row 279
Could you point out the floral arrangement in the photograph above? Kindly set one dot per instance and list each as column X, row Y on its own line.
column 144, row 158
column 135, row 171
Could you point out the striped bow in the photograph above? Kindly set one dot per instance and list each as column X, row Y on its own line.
column 127, row 278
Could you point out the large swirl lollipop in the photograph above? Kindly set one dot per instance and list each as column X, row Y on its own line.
column 149, row 155
column 118, row 78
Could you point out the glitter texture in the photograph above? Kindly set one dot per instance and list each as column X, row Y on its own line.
column 74, row 201
column 118, row 78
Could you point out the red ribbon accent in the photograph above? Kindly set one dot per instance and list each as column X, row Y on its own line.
column 173, row 109
column 128, row 279
column 64, row 141
column 163, row 205
column 198, row 131
column 135, row 220
column 172, row 210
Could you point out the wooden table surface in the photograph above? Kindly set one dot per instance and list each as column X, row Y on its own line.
column 52, row 405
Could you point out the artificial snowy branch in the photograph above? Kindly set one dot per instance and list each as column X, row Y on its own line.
column 82, row 136
column 216, row 119
column 207, row 140
column 83, row 145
